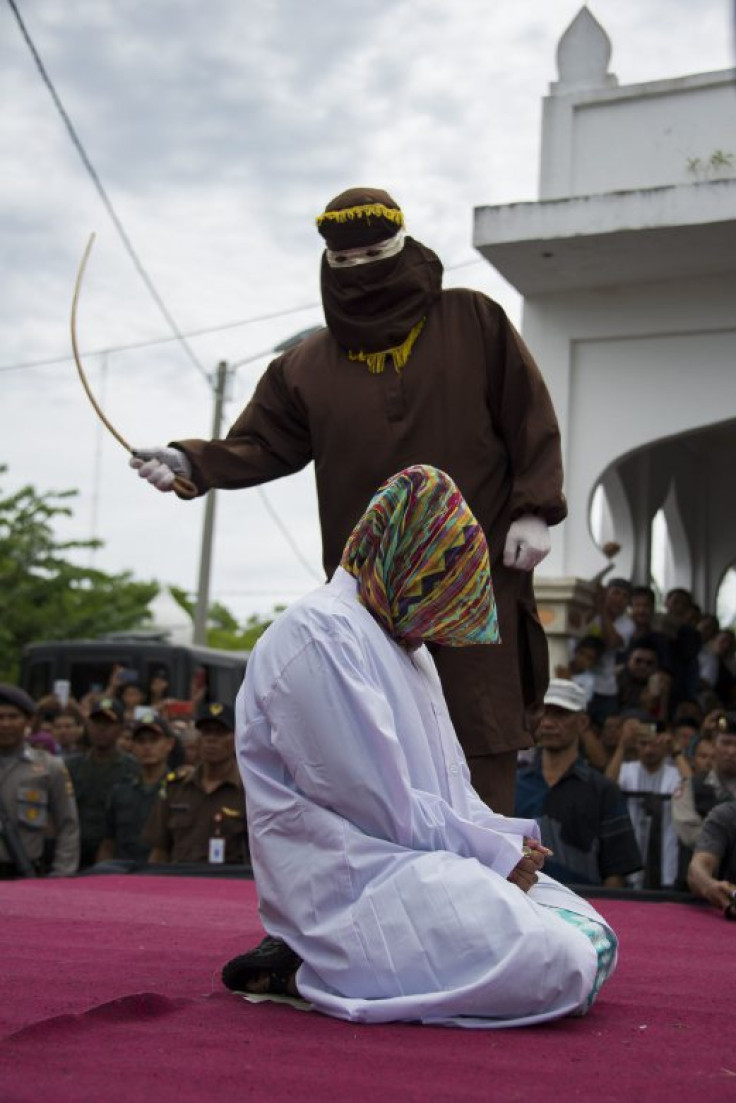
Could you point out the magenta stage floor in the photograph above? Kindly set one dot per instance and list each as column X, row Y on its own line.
column 111, row 992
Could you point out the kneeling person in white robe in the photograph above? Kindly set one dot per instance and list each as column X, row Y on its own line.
column 403, row 894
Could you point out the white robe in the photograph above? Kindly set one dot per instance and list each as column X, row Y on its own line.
column 374, row 858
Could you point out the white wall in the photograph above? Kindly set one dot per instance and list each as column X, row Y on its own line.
column 626, row 367
column 639, row 136
column 651, row 352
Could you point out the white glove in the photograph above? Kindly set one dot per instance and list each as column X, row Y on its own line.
column 160, row 466
column 527, row 543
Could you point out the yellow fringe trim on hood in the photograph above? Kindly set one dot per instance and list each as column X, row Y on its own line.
column 366, row 210
column 376, row 361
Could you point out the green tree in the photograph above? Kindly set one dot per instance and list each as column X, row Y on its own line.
column 244, row 637
column 223, row 630
column 44, row 595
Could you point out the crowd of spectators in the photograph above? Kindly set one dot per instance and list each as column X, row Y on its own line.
column 122, row 777
column 669, row 665
column 634, row 764
column 657, row 717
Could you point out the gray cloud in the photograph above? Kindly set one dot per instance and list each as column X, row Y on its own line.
column 219, row 131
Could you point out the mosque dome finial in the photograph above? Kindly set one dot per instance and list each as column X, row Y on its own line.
column 583, row 54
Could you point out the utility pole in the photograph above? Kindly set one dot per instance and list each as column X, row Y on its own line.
column 224, row 370
column 205, row 556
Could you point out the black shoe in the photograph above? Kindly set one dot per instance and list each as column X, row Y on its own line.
column 271, row 956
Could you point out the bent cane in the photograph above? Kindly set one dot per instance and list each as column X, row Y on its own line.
column 183, row 487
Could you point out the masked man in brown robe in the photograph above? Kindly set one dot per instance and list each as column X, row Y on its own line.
column 408, row 373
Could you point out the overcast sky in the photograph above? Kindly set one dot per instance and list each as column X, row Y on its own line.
column 219, row 131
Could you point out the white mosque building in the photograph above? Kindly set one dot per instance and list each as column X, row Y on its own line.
column 627, row 269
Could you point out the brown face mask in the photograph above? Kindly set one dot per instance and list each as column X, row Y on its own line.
column 375, row 306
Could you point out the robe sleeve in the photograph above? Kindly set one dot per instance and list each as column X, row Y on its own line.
column 334, row 732
column 270, row 439
column 481, row 814
column 522, row 412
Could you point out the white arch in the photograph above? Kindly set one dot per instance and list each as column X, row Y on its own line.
column 614, row 521
column 617, row 396
column 726, row 597
column 678, row 557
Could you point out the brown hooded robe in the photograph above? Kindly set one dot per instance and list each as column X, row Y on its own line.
column 471, row 401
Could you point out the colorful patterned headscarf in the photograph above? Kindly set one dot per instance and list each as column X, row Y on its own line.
column 421, row 561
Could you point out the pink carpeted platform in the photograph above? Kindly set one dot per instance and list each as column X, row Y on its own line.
column 110, row 992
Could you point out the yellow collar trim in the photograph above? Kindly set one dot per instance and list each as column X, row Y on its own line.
column 376, row 361
column 366, row 210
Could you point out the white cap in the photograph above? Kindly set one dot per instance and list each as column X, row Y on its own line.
column 566, row 695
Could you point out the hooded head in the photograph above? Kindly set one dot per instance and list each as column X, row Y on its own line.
column 421, row 562
column 377, row 283
column 358, row 218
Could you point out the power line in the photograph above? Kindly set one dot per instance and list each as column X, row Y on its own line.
column 151, row 341
column 287, row 535
column 138, row 264
column 76, row 141
column 131, row 251
column 205, row 331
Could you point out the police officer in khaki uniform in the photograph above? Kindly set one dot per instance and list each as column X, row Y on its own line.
column 200, row 813
column 36, row 797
